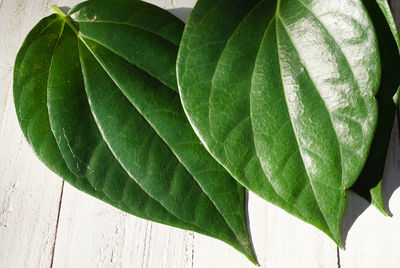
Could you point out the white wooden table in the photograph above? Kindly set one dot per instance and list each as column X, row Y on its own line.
column 44, row 222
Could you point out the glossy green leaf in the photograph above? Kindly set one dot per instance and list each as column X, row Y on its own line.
column 282, row 94
column 369, row 183
column 96, row 96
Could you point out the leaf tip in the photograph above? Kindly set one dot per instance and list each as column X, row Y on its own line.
column 381, row 208
column 253, row 259
column 337, row 238
column 250, row 254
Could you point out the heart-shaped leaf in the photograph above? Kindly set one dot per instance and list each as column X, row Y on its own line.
column 96, row 96
column 282, row 94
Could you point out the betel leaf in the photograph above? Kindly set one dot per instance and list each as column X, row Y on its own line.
column 369, row 183
column 282, row 94
column 96, row 96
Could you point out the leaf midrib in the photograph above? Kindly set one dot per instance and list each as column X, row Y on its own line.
column 66, row 19
column 179, row 159
column 293, row 128
column 275, row 17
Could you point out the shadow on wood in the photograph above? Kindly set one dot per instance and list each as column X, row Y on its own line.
column 65, row 9
column 181, row 13
column 391, row 177
column 356, row 205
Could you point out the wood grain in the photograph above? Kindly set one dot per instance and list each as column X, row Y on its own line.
column 44, row 224
column 94, row 234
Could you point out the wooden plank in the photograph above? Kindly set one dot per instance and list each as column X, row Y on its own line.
column 29, row 198
column 12, row 16
column 293, row 243
column 94, row 234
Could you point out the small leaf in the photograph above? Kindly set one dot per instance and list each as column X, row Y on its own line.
column 96, row 96
column 282, row 94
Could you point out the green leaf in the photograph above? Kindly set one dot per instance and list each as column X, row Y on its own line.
column 96, row 96
column 385, row 9
column 282, row 94
column 369, row 183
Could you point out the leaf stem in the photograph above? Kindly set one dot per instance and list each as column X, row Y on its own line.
column 66, row 19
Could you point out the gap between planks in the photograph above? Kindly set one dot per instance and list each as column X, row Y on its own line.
column 53, row 249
